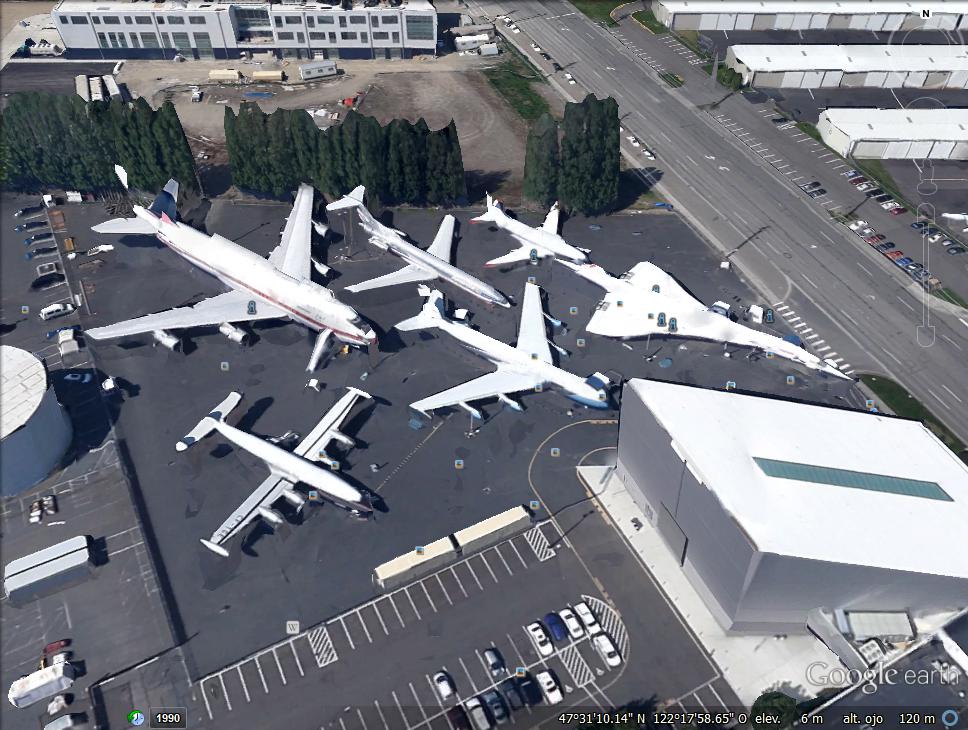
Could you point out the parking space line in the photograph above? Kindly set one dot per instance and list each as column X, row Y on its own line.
column 208, row 707
column 506, row 566
column 488, row 566
column 718, row 698
column 265, row 687
column 359, row 714
column 383, row 719
column 342, row 724
column 347, row 632
column 417, row 702
column 523, row 564
column 225, row 694
column 473, row 574
column 467, row 672
column 703, row 706
column 366, row 631
column 245, row 687
column 442, row 589
column 459, row 584
column 429, row 599
column 397, row 612
column 406, row 720
column 412, row 604
column 296, row 657
column 279, row 665
column 951, row 392
column 380, row 617
column 516, row 650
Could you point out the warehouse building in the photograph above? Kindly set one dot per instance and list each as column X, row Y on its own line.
column 230, row 29
column 774, row 508
column 896, row 134
column 35, row 432
column 851, row 66
column 888, row 15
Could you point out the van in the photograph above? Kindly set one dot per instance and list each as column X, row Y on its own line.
column 56, row 310
column 65, row 721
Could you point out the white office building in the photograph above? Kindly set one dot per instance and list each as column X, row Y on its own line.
column 896, row 134
column 774, row 508
column 227, row 29
column 886, row 15
column 851, row 66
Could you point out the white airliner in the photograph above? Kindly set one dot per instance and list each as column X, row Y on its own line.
column 527, row 366
column 286, row 469
column 434, row 263
column 646, row 300
column 536, row 243
column 963, row 217
column 280, row 287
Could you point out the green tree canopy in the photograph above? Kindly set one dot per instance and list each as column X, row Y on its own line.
column 542, row 161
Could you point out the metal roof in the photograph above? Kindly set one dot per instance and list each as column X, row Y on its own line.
column 844, row 7
column 900, row 124
column 900, row 58
column 718, row 433
column 851, row 479
column 24, row 382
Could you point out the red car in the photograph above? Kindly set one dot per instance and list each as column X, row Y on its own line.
column 894, row 255
column 857, row 180
column 897, row 211
column 56, row 646
column 876, row 238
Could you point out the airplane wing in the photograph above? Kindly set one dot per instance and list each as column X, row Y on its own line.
column 292, row 255
column 516, row 256
column 645, row 275
column 232, row 306
column 251, row 509
column 444, row 239
column 125, row 225
column 532, row 337
column 500, row 382
column 313, row 446
column 550, row 224
column 406, row 275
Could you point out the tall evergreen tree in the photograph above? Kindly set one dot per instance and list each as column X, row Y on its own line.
column 438, row 147
column 174, row 152
column 304, row 134
column 395, row 172
column 329, row 177
column 371, row 153
column 541, row 161
column 454, row 167
column 610, row 158
column 281, row 170
column 575, row 169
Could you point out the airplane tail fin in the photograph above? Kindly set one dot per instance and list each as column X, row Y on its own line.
column 166, row 204
column 210, row 422
column 431, row 315
column 167, row 200
column 489, row 215
column 353, row 200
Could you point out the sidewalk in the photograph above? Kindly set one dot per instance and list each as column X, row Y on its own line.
column 750, row 664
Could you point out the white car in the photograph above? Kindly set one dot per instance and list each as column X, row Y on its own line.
column 56, row 310
column 865, row 232
column 935, row 238
column 587, row 618
column 890, row 205
column 444, row 686
column 569, row 77
column 606, row 649
column 575, row 629
column 633, row 140
column 649, row 154
column 541, row 641
column 549, row 687
column 101, row 248
column 857, row 225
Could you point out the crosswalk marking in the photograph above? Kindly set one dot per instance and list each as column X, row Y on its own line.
column 576, row 665
column 539, row 543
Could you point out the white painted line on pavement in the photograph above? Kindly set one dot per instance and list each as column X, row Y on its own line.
column 937, row 397
column 951, row 341
column 864, row 268
column 904, row 303
column 849, row 317
column 823, row 349
column 807, row 279
column 892, row 357
column 963, row 321
column 952, row 393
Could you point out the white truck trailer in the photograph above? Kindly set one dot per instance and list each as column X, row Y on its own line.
column 40, row 685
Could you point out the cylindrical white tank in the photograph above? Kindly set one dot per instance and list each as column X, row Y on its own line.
column 35, row 431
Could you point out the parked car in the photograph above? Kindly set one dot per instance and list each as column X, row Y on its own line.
column 873, row 193
column 779, row 120
column 495, row 663
column 948, row 242
column 865, row 186
column 458, row 718
column 875, row 238
column 930, row 231
column 864, row 232
column 936, row 237
column 606, row 649
column 55, row 310
column 50, row 504
column 914, row 268
column 883, row 247
column 36, row 511
column 444, row 686
column 42, row 251
column 30, row 226
column 529, row 690
column 953, row 250
column 587, row 618
column 476, row 712
column 810, row 185
column 545, row 56
column 541, row 641
column 556, row 66
column 858, row 180
column 56, row 646
column 569, row 78
column 819, row 192
column 549, row 688
column 556, row 626
column 890, row 204
column 47, row 281
column 29, row 210
column 883, row 199
column 918, row 225
column 52, row 334
column 495, row 703
column 898, row 210
column 851, row 173
column 575, row 630
column 512, row 694
column 857, row 225
column 894, row 255
column 903, row 261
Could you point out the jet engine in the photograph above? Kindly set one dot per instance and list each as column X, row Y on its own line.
column 234, row 333
column 166, row 339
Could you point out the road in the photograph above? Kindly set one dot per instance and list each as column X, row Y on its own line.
column 789, row 248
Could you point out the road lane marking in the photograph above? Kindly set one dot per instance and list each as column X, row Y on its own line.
column 952, row 393
column 904, row 302
column 886, row 352
column 937, row 397
column 864, row 269
column 809, row 281
column 951, row 341
column 849, row 317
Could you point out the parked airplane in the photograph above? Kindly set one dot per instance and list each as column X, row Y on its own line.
column 280, row 287
column 963, row 217
column 647, row 300
column 434, row 263
column 527, row 366
column 286, row 469
column 535, row 242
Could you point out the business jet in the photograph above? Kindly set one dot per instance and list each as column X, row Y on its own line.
column 286, row 469
column 535, row 243
column 963, row 217
column 434, row 263
column 646, row 300
column 278, row 288
column 527, row 366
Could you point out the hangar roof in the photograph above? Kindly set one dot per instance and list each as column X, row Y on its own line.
column 819, row 482
column 900, row 124
column 901, row 58
column 24, row 382
column 821, row 7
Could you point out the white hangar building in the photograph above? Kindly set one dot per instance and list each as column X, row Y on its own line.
column 850, row 66
column 892, row 134
column 35, row 431
column 774, row 508
column 886, row 15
